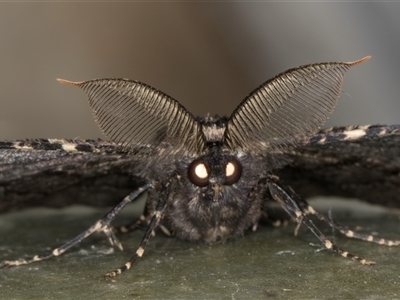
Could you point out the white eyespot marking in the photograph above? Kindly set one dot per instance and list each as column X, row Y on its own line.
column 201, row 171
column 354, row 134
column 198, row 173
column 233, row 171
column 230, row 169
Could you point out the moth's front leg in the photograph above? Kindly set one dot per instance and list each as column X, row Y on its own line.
column 102, row 225
column 144, row 219
column 298, row 209
column 165, row 197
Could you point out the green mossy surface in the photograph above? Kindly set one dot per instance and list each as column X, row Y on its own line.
column 268, row 263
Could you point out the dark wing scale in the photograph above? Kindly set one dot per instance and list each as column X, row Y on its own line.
column 56, row 173
column 294, row 103
column 141, row 118
column 346, row 162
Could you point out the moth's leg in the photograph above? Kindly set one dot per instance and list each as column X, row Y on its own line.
column 274, row 222
column 158, row 214
column 102, row 225
column 143, row 222
column 309, row 210
column 291, row 206
column 137, row 223
column 261, row 191
column 351, row 233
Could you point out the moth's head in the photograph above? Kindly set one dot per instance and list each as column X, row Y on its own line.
column 214, row 170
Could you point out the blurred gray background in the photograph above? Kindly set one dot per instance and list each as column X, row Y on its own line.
column 208, row 56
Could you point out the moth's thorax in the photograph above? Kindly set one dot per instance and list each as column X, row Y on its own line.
column 219, row 207
column 213, row 128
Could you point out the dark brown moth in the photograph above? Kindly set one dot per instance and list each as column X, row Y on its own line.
column 210, row 179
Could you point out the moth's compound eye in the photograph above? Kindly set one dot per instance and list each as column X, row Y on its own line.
column 233, row 171
column 198, row 173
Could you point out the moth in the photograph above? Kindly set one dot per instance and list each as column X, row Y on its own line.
column 210, row 179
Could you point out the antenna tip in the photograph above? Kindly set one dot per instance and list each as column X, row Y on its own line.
column 68, row 82
column 360, row 61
